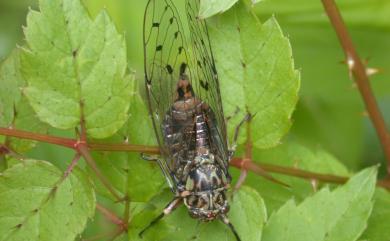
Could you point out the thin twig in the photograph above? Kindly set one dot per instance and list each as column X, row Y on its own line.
column 236, row 162
column 360, row 76
column 112, row 217
column 124, row 147
column 92, row 164
column 295, row 172
column 72, row 165
column 71, row 143
column 60, row 141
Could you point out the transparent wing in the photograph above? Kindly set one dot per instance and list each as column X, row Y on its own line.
column 206, row 82
column 175, row 43
column 165, row 51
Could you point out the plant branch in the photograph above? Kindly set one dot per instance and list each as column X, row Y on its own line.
column 72, row 143
column 72, row 165
column 91, row 163
column 124, row 147
column 295, row 172
column 359, row 72
column 112, row 217
column 235, row 162
column 60, row 141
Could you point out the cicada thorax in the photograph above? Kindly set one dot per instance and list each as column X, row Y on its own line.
column 205, row 190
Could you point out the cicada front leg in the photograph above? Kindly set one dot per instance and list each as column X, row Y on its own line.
column 164, row 168
column 167, row 210
column 247, row 158
column 248, row 154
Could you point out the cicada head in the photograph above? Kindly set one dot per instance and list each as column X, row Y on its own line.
column 206, row 186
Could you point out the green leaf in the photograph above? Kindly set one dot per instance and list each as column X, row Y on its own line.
column 292, row 154
column 256, row 1
column 247, row 214
column 338, row 215
column 329, row 104
column 209, row 8
column 15, row 111
column 257, row 74
column 140, row 131
column 76, row 68
column 36, row 205
column 9, row 93
column 124, row 169
column 378, row 224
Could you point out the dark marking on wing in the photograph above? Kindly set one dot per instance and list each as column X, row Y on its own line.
column 173, row 52
column 205, row 85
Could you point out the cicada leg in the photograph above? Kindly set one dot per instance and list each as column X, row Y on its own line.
column 164, row 168
column 248, row 154
column 233, row 147
column 235, row 113
column 226, row 221
column 167, row 210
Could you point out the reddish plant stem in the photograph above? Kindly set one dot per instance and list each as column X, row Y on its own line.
column 72, row 165
column 247, row 155
column 72, row 143
column 4, row 150
column 124, row 147
column 295, row 172
column 235, row 162
column 60, row 141
column 359, row 73
column 112, row 217
column 91, row 163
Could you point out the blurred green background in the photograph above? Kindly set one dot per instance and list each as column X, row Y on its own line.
column 330, row 112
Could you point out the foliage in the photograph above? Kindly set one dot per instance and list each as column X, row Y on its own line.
column 15, row 109
column 259, row 57
column 38, row 204
column 75, row 68
column 338, row 215
column 72, row 72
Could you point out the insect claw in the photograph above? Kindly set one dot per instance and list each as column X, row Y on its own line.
column 149, row 157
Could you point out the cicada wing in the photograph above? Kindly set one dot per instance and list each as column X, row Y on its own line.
column 165, row 51
column 175, row 44
column 205, row 80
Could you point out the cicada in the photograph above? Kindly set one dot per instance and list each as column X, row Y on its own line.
column 184, row 101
